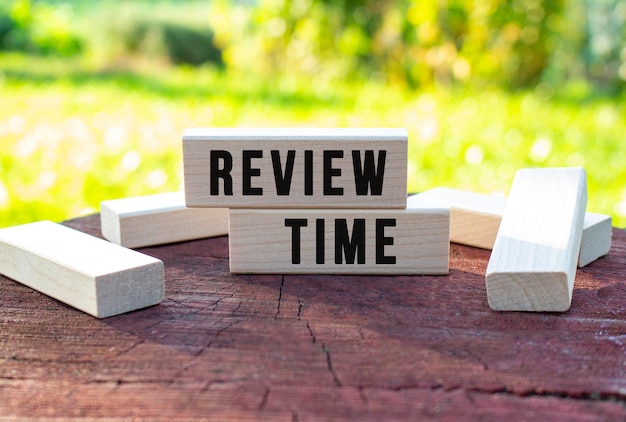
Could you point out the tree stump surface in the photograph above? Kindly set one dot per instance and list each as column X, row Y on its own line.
column 314, row 347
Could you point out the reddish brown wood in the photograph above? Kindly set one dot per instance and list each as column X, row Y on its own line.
column 305, row 347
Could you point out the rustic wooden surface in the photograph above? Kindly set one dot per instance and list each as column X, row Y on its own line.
column 296, row 348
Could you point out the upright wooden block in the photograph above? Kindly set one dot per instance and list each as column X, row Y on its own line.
column 408, row 241
column 533, row 262
column 475, row 218
column 295, row 168
column 88, row 273
column 157, row 219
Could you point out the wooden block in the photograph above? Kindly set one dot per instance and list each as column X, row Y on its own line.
column 408, row 241
column 295, row 168
column 88, row 273
column 475, row 218
column 157, row 219
column 596, row 241
column 533, row 262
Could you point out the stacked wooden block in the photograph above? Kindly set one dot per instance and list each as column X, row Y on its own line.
column 325, row 201
column 315, row 200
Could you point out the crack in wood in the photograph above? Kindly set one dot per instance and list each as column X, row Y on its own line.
column 280, row 297
column 329, row 364
column 590, row 396
column 128, row 349
column 236, row 308
column 311, row 333
column 266, row 396
column 363, row 396
column 300, row 306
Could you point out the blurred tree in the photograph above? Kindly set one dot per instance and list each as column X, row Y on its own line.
column 515, row 44
column 604, row 50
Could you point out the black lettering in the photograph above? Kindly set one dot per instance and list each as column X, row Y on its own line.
column 330, row 171
column 248, row 172
column 283, row 179
column 320, row 241
column 295, row 224
column 221, row 173
column 308, row 172
column 349, row 245
column 382, row 240
column 368, row 174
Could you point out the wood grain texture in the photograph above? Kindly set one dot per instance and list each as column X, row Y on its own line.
column 159, row 219
column 90, row 274
column 410, row 241
column 475, row 218
column 533, row 261
column 295, row 167
column 317, row 347
column 596, row 240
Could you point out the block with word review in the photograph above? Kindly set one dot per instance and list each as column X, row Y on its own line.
column 159, row 219
column 533, row 262
column 295, row 167
column 83, row 271
column 475, row 218
column 408, row 241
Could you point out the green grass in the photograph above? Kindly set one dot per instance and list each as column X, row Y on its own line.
column 71, row 136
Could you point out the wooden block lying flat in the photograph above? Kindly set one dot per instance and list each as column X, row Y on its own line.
column 533, row 262
column 88, row 273
column 475, row 218
column 295, row 168
column 408, row 241
column 159, row 219
column 596, row 241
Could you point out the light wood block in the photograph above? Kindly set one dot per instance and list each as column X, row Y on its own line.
column 295, row 168
column 158, row 219
column 533, row 262
column 475, row 218
column 88, row 273
column 596, row 241
column 408, row 241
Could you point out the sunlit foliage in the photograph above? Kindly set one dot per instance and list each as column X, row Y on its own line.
column 94, row 97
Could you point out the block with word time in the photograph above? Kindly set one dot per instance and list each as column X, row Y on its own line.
column 295, row 167
column 83, row 271
column 475, row 218
column 533, row 262
column 158, row 219
column 408, row 241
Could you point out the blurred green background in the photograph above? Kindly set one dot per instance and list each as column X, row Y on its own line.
column 94, row 96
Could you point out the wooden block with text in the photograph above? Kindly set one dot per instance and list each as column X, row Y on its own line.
column 295, row 167
column 533, row 262
column 407, row 241
column 475, row 218
column 158, row 219
column 83, row 271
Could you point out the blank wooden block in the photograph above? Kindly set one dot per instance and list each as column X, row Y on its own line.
column 475, row 218
column 596, row 241
column 295, row 168
column 158, row 219
column 408, row 241
column 533, row 262
column 88, row 273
